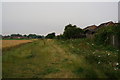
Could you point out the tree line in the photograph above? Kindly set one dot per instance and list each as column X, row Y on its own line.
column 70, row 32
column 106, row 35
column 20, row 36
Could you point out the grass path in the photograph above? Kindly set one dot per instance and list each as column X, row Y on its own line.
column 37, row 60
column 46, row 59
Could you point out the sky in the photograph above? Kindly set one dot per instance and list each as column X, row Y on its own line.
column 46, row 17
column 119, row 12
column 60, row 0
column 0, row 18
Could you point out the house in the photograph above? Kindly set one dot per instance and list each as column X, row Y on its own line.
column 110, row 23
column 93, row 27
column 18, row 37
column 13, row 37
column 5, row 37
column 89, row 31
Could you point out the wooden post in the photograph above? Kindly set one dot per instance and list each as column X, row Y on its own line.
column 113, row 40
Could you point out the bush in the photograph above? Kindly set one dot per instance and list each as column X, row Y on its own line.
column 60, row 36
column 51, row 35
column 72, row 32
column 103, row 35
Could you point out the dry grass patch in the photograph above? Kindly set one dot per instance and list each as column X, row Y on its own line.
column 12, row 43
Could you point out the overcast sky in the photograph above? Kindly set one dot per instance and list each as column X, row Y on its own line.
column 119, row 12
column 43, row 18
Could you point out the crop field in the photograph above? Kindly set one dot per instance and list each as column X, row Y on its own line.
column 52, row 58
column 12, row 43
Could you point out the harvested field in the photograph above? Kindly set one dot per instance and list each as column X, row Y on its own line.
column 12, row 43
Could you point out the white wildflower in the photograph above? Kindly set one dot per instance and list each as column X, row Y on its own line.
column 99, row 62
column 117, row 50
column 99, row 56
column 108, row 54
column 115, row 68
column 117, row 64
column 92, row 44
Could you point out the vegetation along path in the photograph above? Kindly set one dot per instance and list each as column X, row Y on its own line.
column 59, row 59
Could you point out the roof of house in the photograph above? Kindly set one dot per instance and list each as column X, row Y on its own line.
column 110, row 23
column 93, row 27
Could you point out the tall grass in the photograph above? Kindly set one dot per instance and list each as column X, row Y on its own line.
column 100, row 60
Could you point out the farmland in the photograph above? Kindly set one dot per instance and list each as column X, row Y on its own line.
column 12, row 43
column 52, row 58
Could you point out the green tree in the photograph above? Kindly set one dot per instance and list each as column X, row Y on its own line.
column 33, row 36
column 25, row 35
column 50, row 36
column 103, row 35
column 60, row 36
column 72, row 32
column 16, row 35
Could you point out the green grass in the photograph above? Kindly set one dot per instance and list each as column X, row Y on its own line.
column 98, row 59
column 79, row 58
column 0, row 67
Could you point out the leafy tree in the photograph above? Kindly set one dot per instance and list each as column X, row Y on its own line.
column 16, row 35
column 32, row 36
column 69, row 26
column 60, row 36
column 103, row 35
column 72, row 32
column 39, row 36
column 51, row 35
column 25, row 35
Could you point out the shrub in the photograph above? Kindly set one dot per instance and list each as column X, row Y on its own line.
column 51, row 35
column 72, row 32
column 104, row 34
